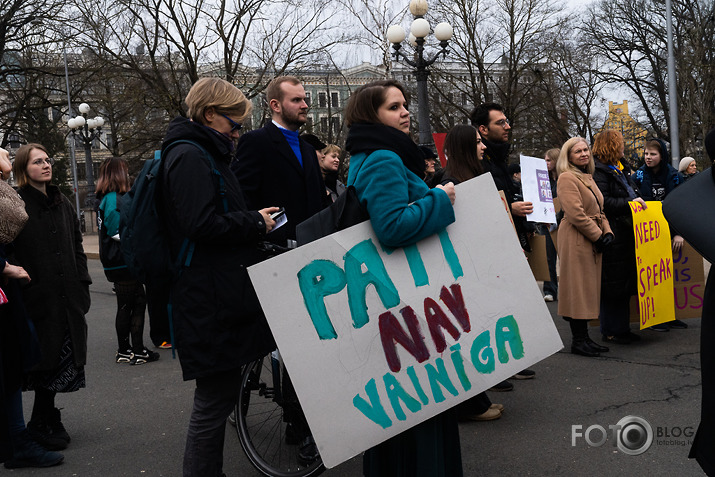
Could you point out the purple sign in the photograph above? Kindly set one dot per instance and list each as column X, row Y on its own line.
column 544, row 186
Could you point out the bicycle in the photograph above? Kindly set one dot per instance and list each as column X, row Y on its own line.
column 260, row 422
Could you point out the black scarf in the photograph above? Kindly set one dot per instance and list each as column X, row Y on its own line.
column 369, row 138
column 497, row 151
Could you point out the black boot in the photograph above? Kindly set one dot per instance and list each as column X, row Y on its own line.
column 595, row 346
column 579, row 342
column 41, row 431
column 28, row 453
column 58, row 429
column 581, row 347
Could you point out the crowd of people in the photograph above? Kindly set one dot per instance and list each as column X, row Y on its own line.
column 220, row 190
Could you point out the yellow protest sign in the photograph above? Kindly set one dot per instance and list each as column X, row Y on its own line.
column 654, row 264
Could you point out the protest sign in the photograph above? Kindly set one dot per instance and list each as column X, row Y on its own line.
column 377, row 340
column 654, row 264
column 537, row 258
column 689, row 282
column 536, row 188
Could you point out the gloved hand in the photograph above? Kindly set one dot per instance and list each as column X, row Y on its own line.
column 603, row 242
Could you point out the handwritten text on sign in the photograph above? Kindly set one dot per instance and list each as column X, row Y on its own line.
column 689, row 278
column 654, row 264
column 377, row 340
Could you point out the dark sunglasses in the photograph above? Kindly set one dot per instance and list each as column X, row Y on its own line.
column 234, row 125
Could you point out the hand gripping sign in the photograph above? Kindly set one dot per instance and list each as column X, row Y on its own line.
column 377, row 340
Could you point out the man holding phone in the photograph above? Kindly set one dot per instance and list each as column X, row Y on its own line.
column 275, row 166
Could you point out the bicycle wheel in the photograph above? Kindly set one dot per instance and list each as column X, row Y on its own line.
column 260, row 425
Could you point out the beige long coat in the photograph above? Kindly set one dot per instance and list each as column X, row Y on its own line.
column 580, row 278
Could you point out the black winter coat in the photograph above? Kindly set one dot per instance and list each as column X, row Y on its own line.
column 19, row 350
column 495, row 161
column 50, row 249
column 618, row 275
column 218, row 321
column 270, row 175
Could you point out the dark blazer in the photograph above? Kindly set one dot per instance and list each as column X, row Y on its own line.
column 270, row 175
column 57, row 297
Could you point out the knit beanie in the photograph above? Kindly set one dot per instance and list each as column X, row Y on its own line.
column 684, row 163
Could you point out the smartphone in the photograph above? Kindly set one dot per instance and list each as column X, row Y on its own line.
column 279, row 214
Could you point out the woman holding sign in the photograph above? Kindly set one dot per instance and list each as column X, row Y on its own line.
column 618, row 279
column 583, row 235
column 386, row 169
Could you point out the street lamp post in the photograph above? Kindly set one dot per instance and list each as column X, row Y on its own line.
column 419, row 30
column 87, row 130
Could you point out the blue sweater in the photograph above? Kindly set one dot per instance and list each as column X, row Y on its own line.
column 403, row 210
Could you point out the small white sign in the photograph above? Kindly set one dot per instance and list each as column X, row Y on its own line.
column 377, row 340
column 536, row 188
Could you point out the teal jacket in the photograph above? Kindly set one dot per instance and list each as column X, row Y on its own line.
column 403, row 210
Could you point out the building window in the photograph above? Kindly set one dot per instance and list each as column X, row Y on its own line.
column 324, row 124
column 307, row 98
column 322, row 99
column 335, row 124
column 334, row 100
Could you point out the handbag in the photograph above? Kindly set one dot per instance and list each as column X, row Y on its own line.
column 690, row 210
column 13, row 216
column 345, row 212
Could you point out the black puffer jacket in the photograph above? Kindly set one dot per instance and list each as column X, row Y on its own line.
column 218, row 322
column 619, row 260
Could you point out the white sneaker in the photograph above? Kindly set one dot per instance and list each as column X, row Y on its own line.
column 548, row 297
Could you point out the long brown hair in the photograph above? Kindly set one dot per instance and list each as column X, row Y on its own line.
column 22, row 159
column 366, row 100
column 460, row 147
column 113, row 176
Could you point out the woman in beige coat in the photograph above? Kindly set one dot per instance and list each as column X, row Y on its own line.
column 583, row 235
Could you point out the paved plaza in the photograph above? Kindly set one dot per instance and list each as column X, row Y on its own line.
column 132, row 420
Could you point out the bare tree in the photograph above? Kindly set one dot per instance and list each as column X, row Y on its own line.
column 504, row 49
column 629, row 36
column 371, row 19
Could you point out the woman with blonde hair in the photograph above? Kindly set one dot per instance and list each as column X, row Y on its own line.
column 583, row 235
column 618, row 278
column 219, row 325
column 551, row 287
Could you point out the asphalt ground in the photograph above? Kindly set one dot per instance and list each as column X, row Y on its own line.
column 132, row 420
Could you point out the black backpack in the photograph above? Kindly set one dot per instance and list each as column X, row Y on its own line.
column 144, row 238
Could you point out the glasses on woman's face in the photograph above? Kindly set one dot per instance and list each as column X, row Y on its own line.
column 40, row 162
column 234, row 125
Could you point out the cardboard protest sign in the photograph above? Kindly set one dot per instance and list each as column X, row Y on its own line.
column 654, row 264
column 536, row 188
column 537, row 258
column 688, row 284
column 377, row 340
